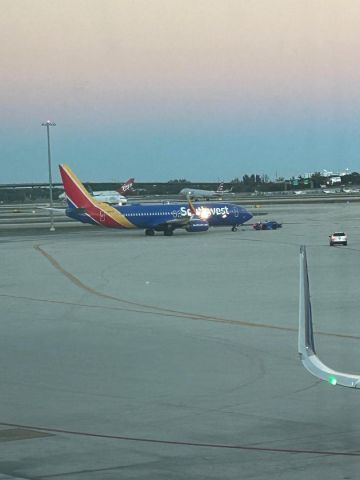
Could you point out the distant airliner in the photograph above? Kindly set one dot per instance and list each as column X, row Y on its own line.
column 198, row 193
column 113, row 197
column 152, row 217
column 306, row 344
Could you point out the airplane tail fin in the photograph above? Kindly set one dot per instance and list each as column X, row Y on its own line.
column 76, row 194
column 220, row 188
column 126, row 187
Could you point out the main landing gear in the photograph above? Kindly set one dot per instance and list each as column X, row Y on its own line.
column 234, row 228
column 151, row 232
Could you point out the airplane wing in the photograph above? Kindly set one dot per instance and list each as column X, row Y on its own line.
column 181, row 221
column 190, row 221
column 306, row 344
column 53, row 209
column 178, row 221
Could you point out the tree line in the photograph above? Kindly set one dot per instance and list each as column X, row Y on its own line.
column 246, row 184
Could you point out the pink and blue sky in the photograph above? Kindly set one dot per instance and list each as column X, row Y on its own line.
column 164, row 89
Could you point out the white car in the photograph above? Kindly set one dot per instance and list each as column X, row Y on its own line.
column 338, row 238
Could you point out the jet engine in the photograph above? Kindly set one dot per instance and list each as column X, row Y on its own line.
column 197, row 225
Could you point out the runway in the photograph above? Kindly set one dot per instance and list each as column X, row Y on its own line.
column 129, row 357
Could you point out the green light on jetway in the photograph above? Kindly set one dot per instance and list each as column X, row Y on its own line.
column 332, row 380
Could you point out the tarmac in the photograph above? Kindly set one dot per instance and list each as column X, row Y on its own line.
column 133, row 357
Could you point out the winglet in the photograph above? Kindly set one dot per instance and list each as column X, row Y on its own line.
column 306, row 344
column 191, row 205
column 306, row 334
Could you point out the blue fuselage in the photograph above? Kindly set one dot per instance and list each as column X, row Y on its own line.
column 158, row 215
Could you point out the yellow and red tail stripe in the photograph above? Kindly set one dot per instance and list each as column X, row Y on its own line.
column 191, row 205
column 99, row 212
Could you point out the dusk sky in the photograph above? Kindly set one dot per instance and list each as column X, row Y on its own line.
column 163, row 89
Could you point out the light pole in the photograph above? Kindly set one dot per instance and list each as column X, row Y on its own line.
column 49, row 124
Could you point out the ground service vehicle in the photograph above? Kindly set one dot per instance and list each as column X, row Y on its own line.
column 267, row 225
column 337, row 238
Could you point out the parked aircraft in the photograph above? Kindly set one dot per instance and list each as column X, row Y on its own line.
column 206, row 194
column 306, row 344
column 113, row 197
column 155, row 217
column 350, row 190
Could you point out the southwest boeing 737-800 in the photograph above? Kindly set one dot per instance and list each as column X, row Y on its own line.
column 153, row 217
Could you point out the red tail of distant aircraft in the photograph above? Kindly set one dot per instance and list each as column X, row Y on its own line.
column 126, row 187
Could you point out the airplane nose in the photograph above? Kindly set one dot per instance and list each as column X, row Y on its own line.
column 248, row 216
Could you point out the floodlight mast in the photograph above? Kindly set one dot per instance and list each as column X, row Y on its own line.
column 49, row 124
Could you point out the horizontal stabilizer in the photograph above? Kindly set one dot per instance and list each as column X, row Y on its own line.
column 53, row 209
column 78, row 210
